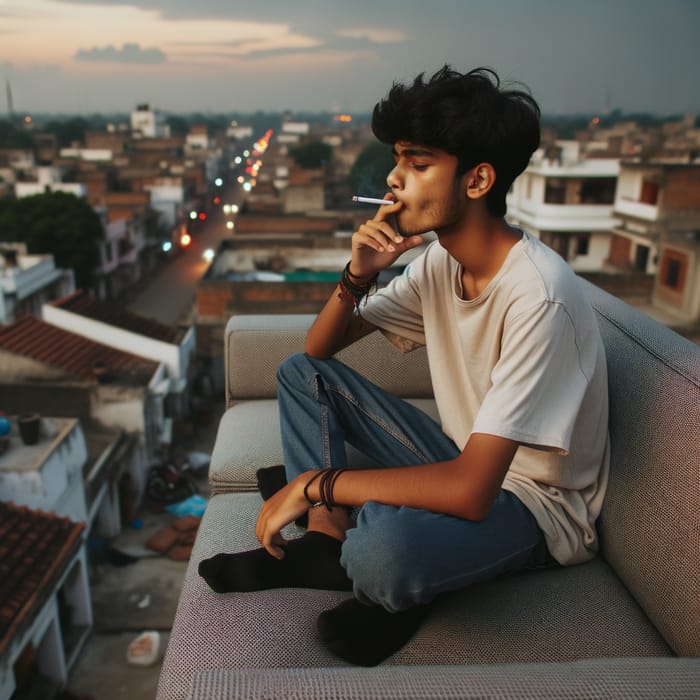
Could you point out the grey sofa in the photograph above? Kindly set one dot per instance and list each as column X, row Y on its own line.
column 625, row 625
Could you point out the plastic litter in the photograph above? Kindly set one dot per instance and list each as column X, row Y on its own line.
column 194, row 505
column 144, row 650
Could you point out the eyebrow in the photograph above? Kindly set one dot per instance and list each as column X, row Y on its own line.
column 413, row 151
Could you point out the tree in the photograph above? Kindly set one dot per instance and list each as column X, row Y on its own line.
column 57, row 223
column 314, row 154
column 368, row 173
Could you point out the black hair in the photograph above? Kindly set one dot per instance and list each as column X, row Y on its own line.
column 469, row 116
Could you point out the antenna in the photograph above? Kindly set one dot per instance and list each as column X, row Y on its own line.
column 8, row 92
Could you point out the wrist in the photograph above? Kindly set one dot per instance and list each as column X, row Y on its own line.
column 360, row 279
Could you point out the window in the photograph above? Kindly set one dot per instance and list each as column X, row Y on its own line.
column 598, row 190
column 583, row 242
column 673, row 271
column 555, row 191
column 649, row 193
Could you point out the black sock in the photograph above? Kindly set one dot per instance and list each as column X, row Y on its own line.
column 366, row 634
column 312, row 561
column 270, row 481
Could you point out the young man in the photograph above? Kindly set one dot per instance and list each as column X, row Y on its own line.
column 514, row 475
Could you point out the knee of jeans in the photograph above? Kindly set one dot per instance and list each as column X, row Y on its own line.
column 292, row 368
column 380, row 560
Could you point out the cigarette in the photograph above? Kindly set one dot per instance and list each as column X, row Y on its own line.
column 372, row 200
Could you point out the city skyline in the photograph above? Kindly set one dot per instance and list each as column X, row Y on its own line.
column 85, row 56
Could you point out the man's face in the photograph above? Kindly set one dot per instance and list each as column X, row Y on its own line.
column 424, row 181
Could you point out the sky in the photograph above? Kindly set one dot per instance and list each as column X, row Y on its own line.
column 224, row 56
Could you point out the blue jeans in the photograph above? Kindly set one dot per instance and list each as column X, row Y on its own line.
column 396, row 557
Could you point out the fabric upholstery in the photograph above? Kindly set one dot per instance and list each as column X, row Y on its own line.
column 254, row 351
column 594, row 630
column 249, row 438
column 622, row 679
column 650, row 524
column 560, row 614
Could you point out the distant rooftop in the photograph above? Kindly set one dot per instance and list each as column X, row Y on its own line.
column 85, row 304
column 35, row 548
column 30, row 337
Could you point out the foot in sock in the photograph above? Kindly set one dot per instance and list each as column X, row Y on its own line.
column 312, row 561
column 367, row 634
column 270, row 481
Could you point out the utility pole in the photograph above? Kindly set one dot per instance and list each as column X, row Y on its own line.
column 10, row 107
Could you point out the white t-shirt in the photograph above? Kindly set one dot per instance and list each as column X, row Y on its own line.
column 525, row 361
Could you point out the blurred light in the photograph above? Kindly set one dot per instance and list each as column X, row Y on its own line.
column 240, row 179
column 202, row 216
column 246, row 153
column 193, row 214
column 217, row 200
column 238, row 160
column 227, row 208
column 208, row 254
column 595, row 120
column 185, row 240
column 167, row 246
column 229, row 225
column 218, row 182
column 234, row 208
column 247, row 186
column 345, row 118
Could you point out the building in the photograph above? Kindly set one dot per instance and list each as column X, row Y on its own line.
column 657, row 209
column 29, row 281
column 566, row 199
column 46, row 613
column 148, row 123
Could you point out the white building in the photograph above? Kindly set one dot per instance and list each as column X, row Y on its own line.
column 29, row 281
column 566, row 199
column 149, row 123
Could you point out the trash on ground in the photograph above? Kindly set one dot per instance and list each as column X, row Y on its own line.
column 144, row 650
column 194, row 505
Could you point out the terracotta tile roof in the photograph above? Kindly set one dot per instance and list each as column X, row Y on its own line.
column 86, row 304
column 33, row 338
column 35, row 548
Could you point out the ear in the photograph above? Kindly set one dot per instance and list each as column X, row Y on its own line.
column 480, row 179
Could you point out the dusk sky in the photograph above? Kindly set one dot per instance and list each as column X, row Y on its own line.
column 83, row 56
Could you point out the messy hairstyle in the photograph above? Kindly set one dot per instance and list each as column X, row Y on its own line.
column 469, row 116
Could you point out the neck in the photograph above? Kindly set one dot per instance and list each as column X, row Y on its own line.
column 480, row 246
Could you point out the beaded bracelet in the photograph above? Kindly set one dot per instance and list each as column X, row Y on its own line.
column 349, row 290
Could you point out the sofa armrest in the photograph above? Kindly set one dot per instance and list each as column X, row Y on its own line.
column 619, row 678
column 255, row 346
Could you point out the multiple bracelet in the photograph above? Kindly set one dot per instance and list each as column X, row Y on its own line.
column 328, row 477
column 350, row 290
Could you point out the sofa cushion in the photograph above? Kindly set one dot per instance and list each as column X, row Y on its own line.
column 650, row 529
column 559, row 614
column 256, row 346
column 622, row 679
column 249, row 438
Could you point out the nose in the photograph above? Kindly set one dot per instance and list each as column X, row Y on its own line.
column 393, row 179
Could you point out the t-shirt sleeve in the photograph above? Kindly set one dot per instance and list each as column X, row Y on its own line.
column 396, row 310
column 537, row 385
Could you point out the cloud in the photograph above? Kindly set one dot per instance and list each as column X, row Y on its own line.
column 129, row 53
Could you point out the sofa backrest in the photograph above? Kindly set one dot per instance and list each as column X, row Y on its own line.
column 650, row 523
column 254, row 350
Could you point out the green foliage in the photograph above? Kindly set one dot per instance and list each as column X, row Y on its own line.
column 69, row 131
column 368, row 173
column 57, row 223
column 314, row 154
column 12, row 137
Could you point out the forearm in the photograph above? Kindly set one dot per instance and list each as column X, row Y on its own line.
column 465, row 487
column 336, row 327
